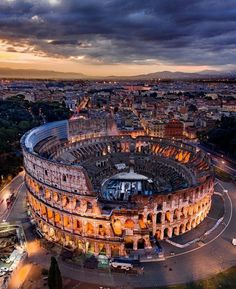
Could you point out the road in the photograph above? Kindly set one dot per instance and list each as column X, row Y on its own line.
column 10, row 189
column 219, row 161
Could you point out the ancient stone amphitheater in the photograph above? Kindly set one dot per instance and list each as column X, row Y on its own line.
column 111, row 194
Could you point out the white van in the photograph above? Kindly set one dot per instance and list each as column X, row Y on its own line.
column 234, row 241
column 121, row 264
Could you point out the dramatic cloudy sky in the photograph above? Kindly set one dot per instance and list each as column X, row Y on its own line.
column 114, row 37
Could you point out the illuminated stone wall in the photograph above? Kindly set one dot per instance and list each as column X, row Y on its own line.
column 68, row 210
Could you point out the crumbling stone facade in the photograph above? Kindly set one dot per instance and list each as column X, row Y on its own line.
column 64, row 179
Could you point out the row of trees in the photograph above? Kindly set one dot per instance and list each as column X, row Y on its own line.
column 17, row 116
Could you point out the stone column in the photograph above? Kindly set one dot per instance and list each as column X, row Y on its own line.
column 122, row 250
column 154, row 224
column 162, row 233
column 96, row 249
column 108, row 250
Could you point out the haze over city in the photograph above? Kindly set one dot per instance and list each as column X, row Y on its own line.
column 120, row 37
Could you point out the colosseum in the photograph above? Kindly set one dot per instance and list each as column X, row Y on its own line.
column 111, row 194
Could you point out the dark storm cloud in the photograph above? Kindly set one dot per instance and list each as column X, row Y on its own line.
column 120, row 31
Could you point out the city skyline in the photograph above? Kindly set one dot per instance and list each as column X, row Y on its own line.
column 117, row 37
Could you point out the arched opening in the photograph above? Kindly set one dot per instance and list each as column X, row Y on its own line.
column 166, row 233
column 117, row 227
column 149, row 219
column 184, row 212
column 102, row 249
column 77, row 204
column 168, row 216
column 193, row 224
column 45, row 228
column 182, row 228
column 129, row 224
column 90, row 247
column 158, row 218
column 141, row 243
column 176, row 213
column 55, row 197
column 65, row 201
column 175, row 231
column 115, row 251
column 47, row 194
column 198, row 220
column 89, row 206
column 57, row 219
column 190, row 210
column 89, row 229
column 101, row 230
column 188, row 226
column 141, row 221
column 158, row 234
column 77, row 224
column 195, row 209
column 51, row 232
column 129, row 243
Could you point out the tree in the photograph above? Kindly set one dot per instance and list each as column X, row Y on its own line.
column 54, row 275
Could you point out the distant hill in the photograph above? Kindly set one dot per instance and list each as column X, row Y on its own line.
column 38, row 74
column 48, row 74
column 184, row 75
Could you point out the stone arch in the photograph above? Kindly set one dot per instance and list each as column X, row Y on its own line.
column 168, row 216
column 101, row 230
column 195, row 209
column 45, row 228
column 89, row 206
column 193, row 225
column 166, row 232
column 149, row 219
column 141, row 243
column 115, row 251
column 102, row 249
column 65, row 201
column 182, row 228
column 188, row 226
column 190, row 210
column 184, row 212
column 129, row 224
column 89, row 247
column 51, row 232
column 158, row 218
column 117, row 227
column 141, row 221
column 158, row 234
column 77, row 204
column 176, row 214
column 175, row 231
column 198, row 220
column 55, row 197
column 77, row 224
column 129, row 243
column 47, row 194
column 89, row 229
column 57, row 219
